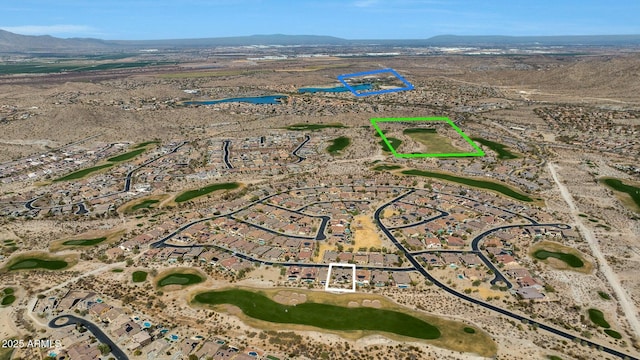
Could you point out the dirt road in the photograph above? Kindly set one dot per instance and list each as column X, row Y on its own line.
column 629, row 309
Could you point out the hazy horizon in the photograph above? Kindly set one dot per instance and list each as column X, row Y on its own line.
column 353, row 20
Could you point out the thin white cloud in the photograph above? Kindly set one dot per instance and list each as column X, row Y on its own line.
column 66, row 29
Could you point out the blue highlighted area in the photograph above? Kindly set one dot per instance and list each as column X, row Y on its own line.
column 384, row 81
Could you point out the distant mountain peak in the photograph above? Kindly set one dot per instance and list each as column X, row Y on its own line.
column 15, row 43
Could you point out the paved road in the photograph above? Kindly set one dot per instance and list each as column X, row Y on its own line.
column 416, row 266
column 320, row 235
column 497, row 274
column 29, row 204
column 127, row 184
column 330, row 202
column 442, row 214
column 489, row 306
column 295, row 152
column 95, row 330
column 129, row 178
column 82, row 209
column 225, row 156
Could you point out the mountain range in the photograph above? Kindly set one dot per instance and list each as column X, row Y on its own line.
column 15, row 43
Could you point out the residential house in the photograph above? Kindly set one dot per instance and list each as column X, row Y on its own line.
column 379, row 278
column 529, row 293
column 401, row 279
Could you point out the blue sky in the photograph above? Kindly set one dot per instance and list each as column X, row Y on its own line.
column 350, row 19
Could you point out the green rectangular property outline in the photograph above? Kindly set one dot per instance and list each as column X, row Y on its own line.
column 478, row 152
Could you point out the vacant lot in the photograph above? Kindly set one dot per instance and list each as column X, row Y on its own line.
column 364, row 232
column 433, row 142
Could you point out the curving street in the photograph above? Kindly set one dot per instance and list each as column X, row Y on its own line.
column 295, row 152
column 416, row 266
column 94, row 329
column 225, row 155
column 489, row 306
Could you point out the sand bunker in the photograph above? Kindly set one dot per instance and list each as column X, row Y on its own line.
column 290, row 298
column 374, row 304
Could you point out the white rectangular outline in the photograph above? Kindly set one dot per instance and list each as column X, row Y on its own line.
column 353, row 278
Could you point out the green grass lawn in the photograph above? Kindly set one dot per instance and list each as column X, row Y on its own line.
column 139, row 276
column 8, row 291
column 84, row 242
column 191, row 194
column 180, row 279
column 37, row 263
column 72, row 66
column 385, row 167
column 6, row 354
column 319, row 315
column 147, row 204
column 435, row 143
column 8, row 300
column 597, row 317
column 338, row 144
column 604, row 295
column 146, row 143
column 303, row 127
column 500, row 149
column 569, row 259
column 618, row 185
column 79, row 174
column 127, row 156
column 614, row 334
column 482, row 184
column 394, row 144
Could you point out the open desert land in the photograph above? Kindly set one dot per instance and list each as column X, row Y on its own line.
column 171, row 197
